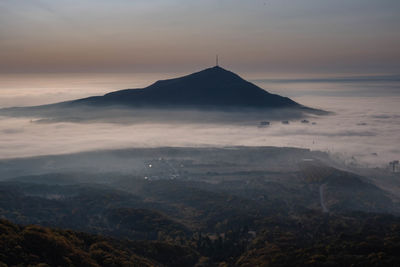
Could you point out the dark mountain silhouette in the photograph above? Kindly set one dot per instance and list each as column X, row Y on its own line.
column 213, row 87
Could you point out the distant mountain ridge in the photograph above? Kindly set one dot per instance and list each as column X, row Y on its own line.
column 213, row 87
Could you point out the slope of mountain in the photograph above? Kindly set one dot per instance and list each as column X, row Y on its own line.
column 194, row 207
column 213, row 95
column 215, row 90
column 212, row 87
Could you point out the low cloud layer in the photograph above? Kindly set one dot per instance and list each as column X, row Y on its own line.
column 363, row 130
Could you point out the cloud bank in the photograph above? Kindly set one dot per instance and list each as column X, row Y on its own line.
column 363, row 131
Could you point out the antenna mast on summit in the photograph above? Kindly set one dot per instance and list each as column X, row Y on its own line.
column 216, row 60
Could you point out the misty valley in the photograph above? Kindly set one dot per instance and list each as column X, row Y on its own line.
column 180, row 173
column 175, row 133
column 177, row 206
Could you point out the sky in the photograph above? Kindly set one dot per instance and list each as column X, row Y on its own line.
column 253, row 36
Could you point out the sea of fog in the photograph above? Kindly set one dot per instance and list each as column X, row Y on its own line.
column 364, row 129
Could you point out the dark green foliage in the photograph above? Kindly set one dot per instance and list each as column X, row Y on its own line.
column 34, row 245
column 315, row 239
column 143, row 224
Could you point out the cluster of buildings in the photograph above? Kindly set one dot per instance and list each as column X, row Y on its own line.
column 286, row 122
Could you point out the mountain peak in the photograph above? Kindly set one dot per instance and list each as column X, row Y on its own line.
column 213, row 75
column 216, row 70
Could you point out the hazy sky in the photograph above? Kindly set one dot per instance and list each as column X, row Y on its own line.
column 340, row 36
